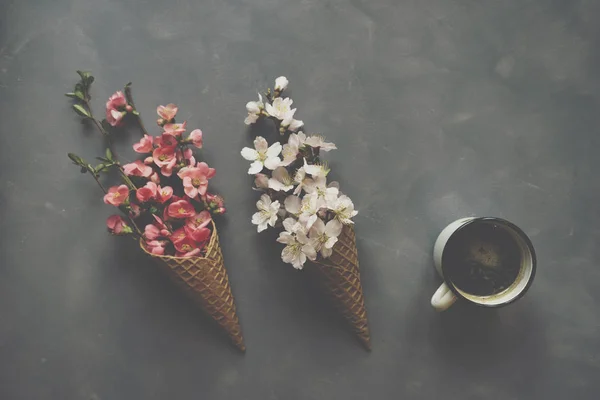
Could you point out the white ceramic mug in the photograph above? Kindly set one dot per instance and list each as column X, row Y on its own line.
column 448, row 293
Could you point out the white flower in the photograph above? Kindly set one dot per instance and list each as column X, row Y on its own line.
column 262, row 156
column 281, row 83
column 254, row 109
column 291, row 149
column 250, row 119
column 319, row 141
column 324, row 237
column 315, row 169
column 261, row 181
column 343, row 209
column 290, row 123
column 298, row 247
column 301, row 180
column 281, row 108
column 311, row 204
column 292, row 204
column 267, row 212
column 329, row 193
column 281, row 180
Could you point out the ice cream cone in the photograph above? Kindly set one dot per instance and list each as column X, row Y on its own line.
column 340, row 277
column 205, row 280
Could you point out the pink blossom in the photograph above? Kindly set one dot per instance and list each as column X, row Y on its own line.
column 137, row 168
column 164, row 194
column 186, row 248
column 166, row 140
column 189, row 156
column 196, row 138
column 116, row 225
column 117, row 195
column 175, row 129
column 164, row 231
column 200, row 220
column 155, row 178
column 147, row 192
column 165, row 158
column 151, row 232
column 195, row 179
column 134, row 210
column 167, row 112
column 149, row 160
column 115, row 108
column 178, row 235
column 181, row 209
column 156, row 246
column 199, row 235
column 144, row 145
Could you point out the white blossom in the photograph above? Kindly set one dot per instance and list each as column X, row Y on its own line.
column 281, row 108
column 261, row 181
column 267, row 213
column 293, row 204
column 290, row 123
column 343, row 209
column 311, row 204
column 281, row 83
column 254, row 109
column 262, row 155
column 315, row 169
column 329, row 193
column 298, row 247
column 281, row 180
column 292, row 148
column 324, row 236
column 319, row 141
column 301, row 180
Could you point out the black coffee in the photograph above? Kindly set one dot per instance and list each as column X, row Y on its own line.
column 482, row 259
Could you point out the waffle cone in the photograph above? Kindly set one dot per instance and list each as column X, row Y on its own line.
column 340, row 277
column 205, row 280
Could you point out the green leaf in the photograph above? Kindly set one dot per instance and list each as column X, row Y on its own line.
column 75, row 158
column 89, row 80
column 135, row 112
column 79, row 87
column 79, row 95
column 84, row 75
column 102, row 159
column 128, row 84
column 109, row 155
column 81, row 111
column 71, row 95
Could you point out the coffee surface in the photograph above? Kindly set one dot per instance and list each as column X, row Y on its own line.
column 482, row 259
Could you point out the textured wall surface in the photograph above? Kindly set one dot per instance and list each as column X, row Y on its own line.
column 440, row 109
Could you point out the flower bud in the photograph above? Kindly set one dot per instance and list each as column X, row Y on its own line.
column 128, row 108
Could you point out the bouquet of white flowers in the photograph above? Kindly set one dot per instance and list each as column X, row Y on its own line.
column 316, row 217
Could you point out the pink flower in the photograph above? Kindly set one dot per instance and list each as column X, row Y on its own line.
column 167, row 112
column 144, row 145
column 137, row 168
column 186, row 248
column 196, row 138
column 175, row 129
column 151, row 232
column 178, row 235
column 117, row 195
column 115, row 108
column 189, row 156
column 181, row 209
column 166, row 140
column 164, row 194
column 156, row 246
column 195, row 179
column 134, row 210
column 200, row 220
column 116, row 225
column 165, row 158
column 200, row 235
column 155, row 178
column 147, row 192
column 164, row 231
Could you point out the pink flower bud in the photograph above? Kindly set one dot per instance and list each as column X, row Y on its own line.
column 128, row 108
column 160, row 122
column 148, row 161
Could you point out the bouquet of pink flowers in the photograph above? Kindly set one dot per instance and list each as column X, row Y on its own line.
column 315, row 215
column 163, row 200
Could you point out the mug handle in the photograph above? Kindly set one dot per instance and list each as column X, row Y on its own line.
column 443, row 298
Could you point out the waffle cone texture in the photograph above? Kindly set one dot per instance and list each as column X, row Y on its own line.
column 205, row 279
column 340, row 277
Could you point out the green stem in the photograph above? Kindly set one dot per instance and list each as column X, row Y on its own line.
column 99, row 126
column 138, row 118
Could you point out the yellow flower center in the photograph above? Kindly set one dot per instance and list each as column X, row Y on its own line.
column 196, row 182
column 181, row 211
column 186, row 247
column 162, row 157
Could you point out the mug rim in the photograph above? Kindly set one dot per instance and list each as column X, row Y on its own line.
column 520, row 233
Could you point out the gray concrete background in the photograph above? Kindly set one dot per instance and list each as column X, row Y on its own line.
column 440, row 109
